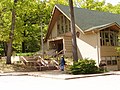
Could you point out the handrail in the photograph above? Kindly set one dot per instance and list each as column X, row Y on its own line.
column 60, row 52
column 24, row 59
column 40, row 62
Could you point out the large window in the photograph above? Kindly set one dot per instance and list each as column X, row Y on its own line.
column 63, row 25
column 109, row 37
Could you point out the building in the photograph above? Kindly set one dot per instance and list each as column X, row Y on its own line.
column 96, row 32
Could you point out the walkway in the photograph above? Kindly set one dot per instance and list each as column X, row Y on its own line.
column 56, row 74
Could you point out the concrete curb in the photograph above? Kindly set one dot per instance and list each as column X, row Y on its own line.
column 85, row 76
column 56, row 76
column 13, row 74
column 68, row 77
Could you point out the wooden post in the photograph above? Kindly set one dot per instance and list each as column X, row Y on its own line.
column 74, row 44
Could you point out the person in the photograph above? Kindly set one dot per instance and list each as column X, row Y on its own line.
column 62, row 63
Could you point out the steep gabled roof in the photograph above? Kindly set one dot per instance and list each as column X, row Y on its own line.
column 86, row 19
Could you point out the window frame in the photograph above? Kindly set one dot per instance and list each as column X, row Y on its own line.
column 109, row 37
column 110, row 60
column 63, row 25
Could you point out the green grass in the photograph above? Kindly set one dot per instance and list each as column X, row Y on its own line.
column 24, row 54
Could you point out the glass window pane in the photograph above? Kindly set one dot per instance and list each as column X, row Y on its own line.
column 114, row 62
column 109, row 62
column 113, row 58
column 102, row 58
column 108, row 58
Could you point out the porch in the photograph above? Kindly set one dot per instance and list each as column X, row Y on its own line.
column 62, row 45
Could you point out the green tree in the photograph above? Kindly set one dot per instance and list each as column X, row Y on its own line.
column 11, row 35
column 90, row 4
column 116, row 9
column 29, row 15
column 39, row 13
column 5, row 21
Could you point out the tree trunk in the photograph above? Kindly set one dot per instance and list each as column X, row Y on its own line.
column 23, row 47
column 23, row 43
column 5, row 48
column 74, row 45
column 9, row 50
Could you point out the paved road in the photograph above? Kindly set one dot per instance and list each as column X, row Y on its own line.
column 110, row 82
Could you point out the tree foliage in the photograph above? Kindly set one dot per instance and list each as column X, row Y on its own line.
column 90, row 4
column 29, row 15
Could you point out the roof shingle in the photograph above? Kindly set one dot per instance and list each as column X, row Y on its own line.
column 86, row 19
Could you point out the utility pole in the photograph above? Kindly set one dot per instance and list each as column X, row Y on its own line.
column 74, row 44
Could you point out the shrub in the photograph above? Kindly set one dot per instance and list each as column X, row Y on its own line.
column 84, row 66
column 24, row 54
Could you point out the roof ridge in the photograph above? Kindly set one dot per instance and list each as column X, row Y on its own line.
column 88, row 9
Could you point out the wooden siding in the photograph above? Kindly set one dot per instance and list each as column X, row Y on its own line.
column 108, row 51
column 54, row 31
column 68, row 46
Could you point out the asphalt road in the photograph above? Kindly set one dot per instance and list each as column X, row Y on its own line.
column 110, row 82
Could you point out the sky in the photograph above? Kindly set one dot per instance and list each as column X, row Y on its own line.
column 113, row 2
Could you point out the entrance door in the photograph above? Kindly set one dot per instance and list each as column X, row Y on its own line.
column 57, row 45
column 60, row 47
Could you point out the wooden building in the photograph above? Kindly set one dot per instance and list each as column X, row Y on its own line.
column 96, row 33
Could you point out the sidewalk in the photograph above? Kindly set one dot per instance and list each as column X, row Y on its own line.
column 56, row 74
column 61, row 75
